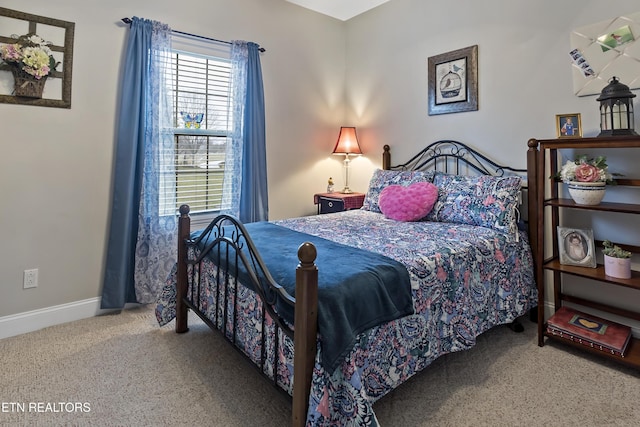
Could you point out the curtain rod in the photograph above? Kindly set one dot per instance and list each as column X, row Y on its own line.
column 128, row 21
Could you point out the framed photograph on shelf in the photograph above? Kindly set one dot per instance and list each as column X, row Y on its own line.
column 569, row 125
column 453, row 81
column 576, row 247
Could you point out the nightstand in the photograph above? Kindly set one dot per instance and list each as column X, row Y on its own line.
column 337, row 202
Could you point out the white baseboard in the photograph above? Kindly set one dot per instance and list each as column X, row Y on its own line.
column 30, row 321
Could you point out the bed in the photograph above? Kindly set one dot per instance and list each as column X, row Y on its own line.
column 337, row 310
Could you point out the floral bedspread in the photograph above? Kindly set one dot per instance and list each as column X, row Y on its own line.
column 465, row 280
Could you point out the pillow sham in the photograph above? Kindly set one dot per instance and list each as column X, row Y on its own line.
column 485, row 201
column 408, row 203
column 384, row 178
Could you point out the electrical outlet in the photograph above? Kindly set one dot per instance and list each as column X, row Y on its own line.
column 30, row 279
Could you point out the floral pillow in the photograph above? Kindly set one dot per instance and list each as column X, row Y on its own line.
column 384, row 178
column 486, row 201
column 410, row 203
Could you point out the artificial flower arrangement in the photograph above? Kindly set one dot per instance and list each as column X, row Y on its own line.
column 31, row 54
column 584, row 169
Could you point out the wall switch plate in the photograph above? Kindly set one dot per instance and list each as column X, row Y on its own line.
column 30, row 279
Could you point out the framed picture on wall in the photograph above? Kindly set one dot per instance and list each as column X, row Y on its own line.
column 569, row 125
column 453, row 81
column 576, row 247
column 46, row 37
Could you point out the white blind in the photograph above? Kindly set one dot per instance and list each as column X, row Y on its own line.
column 202, row 119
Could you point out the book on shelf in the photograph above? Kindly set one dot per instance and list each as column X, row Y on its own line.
column 589, row 330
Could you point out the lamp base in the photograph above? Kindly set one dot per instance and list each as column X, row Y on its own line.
column 346, row 190
column 618, row 132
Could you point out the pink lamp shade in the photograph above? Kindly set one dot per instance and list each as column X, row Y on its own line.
column 347, row 142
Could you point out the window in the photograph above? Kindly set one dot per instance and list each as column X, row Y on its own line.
column 202, row 119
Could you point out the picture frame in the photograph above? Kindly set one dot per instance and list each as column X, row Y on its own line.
column 57, row 91
column 453, row 81
column 576, row 247
column 569, row 125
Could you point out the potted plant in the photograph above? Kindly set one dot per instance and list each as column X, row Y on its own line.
column 586, row 179
column 617, row 261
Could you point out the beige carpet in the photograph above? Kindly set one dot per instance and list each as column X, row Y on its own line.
column 123, row 370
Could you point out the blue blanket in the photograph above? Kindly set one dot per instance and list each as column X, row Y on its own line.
column 357, row 289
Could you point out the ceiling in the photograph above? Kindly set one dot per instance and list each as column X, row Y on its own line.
column 340, row 9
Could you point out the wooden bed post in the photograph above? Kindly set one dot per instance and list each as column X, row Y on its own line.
column 532, row 192
column 184, row 230
column 305, row 331
column 537, row 188
column 386, row 158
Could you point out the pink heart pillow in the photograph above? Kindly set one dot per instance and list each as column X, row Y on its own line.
column 410, row 203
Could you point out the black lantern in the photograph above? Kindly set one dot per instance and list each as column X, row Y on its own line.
column 616, row 109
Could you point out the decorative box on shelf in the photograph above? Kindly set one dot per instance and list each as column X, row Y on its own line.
column 337, row 202
column 590, row 330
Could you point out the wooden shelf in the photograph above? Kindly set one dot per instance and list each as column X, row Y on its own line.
column 596, row 142
column 600, row 306
column 594, row 273
column 543, row 161
column 604, row 206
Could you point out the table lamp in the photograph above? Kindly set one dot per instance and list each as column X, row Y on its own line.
column 347, row 144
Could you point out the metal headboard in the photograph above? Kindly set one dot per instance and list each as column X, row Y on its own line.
column 453, row 157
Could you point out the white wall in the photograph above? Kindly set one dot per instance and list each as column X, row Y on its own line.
column 55, row 170
column 525, row 79
column 523, row 66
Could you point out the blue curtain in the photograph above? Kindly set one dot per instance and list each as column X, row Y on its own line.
column 142, row 242
column 245, row 180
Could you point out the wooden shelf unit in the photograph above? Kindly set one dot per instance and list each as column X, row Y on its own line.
column 542, row 164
